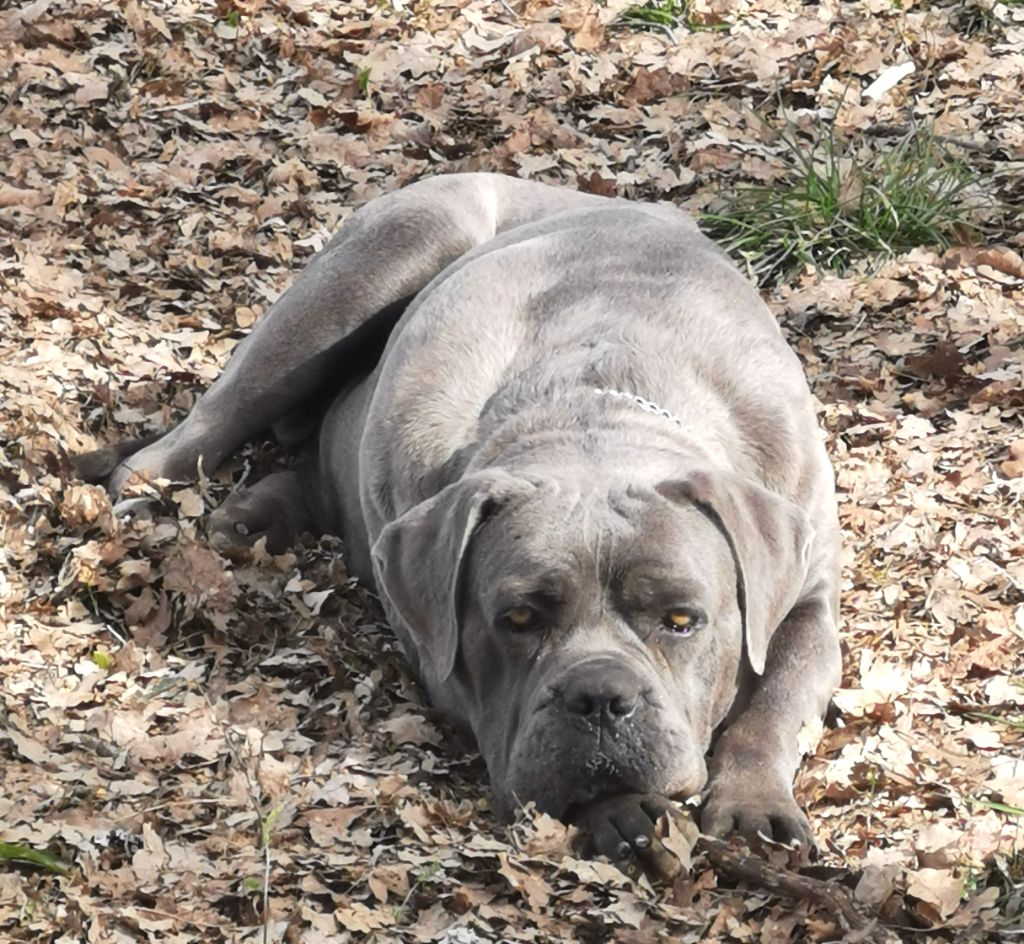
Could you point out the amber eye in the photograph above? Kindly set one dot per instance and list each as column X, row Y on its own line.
column 682, row 621
column 522, row 618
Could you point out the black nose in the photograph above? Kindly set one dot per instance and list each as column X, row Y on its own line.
column 603, row 694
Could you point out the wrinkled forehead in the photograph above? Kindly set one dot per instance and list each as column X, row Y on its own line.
column 613, row 533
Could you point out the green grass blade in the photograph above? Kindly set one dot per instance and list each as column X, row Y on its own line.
column 12, row 852
column 998, row 807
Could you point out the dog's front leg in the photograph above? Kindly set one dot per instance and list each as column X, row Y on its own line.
column 755, row 758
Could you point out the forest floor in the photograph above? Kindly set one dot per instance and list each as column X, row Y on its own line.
column 201, row 750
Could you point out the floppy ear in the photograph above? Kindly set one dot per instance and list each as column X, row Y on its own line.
column 419, row 559
column 770, row 540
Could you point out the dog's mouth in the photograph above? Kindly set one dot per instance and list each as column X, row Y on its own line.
column 563, row 770
column 603, row 780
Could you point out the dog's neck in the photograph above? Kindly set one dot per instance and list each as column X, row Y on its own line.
column 509, row 436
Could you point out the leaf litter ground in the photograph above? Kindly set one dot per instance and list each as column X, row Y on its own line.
column 234, row 751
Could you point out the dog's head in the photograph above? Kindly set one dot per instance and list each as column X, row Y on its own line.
column 591, row 635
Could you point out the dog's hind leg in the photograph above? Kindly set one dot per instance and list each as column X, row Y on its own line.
column 387, row 252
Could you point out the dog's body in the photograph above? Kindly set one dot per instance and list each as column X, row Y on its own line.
column 585, row 477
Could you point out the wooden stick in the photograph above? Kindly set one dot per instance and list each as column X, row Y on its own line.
column 835, row 899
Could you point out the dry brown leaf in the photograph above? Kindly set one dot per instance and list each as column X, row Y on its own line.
column 940, row 888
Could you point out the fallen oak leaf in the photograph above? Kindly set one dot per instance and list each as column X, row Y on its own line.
column 940, row 889
column 943, row 362
column 549, row 837
column 359, row 918
column 91, row 88
column 1000, row 258
column 411, row 729
column 189, row 501
column 201, row 576
column 530, row 885
column 1013, row 467
column 20, row 196
column 678, row 834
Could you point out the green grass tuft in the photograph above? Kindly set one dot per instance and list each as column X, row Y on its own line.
column 666, row 15
column 670, row 13
column 834, row 207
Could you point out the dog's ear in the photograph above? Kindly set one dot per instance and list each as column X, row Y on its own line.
column 770, row 540
column 419, row 560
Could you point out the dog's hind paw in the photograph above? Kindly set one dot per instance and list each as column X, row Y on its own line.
column 98, row 467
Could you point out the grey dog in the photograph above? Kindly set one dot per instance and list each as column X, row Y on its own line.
column 565, row 441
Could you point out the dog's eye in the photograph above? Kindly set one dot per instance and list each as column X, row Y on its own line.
column 682, row 620
column 521, row 618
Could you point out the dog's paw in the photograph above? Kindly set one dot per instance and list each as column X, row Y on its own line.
column 244, row 519
column 105, row 466
column 758, row 812
column 95, row 467
column 631, row 830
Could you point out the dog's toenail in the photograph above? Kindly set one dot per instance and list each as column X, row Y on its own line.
column 242, row 529
column 641, row 842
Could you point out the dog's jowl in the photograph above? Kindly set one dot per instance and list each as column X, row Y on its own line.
column 565, row 441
